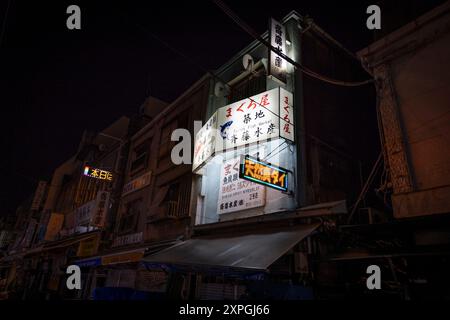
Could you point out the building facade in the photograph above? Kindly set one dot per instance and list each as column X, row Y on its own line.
column 274, row 166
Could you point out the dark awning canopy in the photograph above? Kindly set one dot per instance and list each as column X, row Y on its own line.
column 252, row 252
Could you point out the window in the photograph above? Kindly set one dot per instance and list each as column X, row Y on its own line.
column 130, row 217
column 166, row 144
column 139, row 158
column 171, row 199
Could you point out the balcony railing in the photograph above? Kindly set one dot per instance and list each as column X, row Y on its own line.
column 172, row 209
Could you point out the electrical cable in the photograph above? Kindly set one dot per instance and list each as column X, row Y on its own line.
column 274, row 150
column 192, row 62
column 4, row 22
column 301, row 67
column 267, row 158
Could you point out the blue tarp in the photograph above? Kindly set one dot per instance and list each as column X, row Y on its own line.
column 91, row 262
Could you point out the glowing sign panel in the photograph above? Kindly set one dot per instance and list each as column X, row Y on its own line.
column 263, row 173
column 265, row 116
column 97, row 173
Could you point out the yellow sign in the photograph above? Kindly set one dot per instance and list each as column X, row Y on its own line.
column 133, row 256
column 54, row 226
column 138, row 183
column 264, row 173
column 97, row 173
column 88, row 247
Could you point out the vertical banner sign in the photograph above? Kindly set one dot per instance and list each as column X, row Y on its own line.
column 277, row 40
column 205, row 141
column 286, row 115
column 39, row 195
column 236, row 194
column 54, row 226
column 101, row 209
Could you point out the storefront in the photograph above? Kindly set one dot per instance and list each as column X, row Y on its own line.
column 235, row 265
column 120, row 275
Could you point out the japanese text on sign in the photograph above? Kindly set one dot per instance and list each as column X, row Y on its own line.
column 277, row 40
column 268, row 115
column 237, row 194
column 264, row 173
column 97, row 173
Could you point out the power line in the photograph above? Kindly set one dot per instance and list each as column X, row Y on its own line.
column 302, row 68
column 4, row 22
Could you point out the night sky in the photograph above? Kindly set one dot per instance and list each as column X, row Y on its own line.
column 56, row 82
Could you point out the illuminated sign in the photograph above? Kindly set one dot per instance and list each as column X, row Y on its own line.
column 277, row 69
column 268, row 115
column 249, row 121
column 263, row 173
column 97, row 173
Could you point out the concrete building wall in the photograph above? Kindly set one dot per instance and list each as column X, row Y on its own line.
column 413, row 73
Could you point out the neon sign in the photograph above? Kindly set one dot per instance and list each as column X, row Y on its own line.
column 97, row 173
column 263, row 173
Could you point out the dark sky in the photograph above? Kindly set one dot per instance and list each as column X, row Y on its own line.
column 55, row 82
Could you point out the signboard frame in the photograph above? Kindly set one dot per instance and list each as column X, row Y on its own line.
column 284, row 187
column 281, row 102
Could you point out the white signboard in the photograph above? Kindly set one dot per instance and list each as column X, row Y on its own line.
column 261, row 117
column 236, row 194
column 83, row 214
column 93, row 212
column 249, row 120
column 205, row 141
column 277, row 40
column 286, row 115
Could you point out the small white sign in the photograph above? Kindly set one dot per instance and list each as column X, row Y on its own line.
column 237, row 194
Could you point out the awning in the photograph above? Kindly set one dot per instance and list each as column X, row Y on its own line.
column 123, row 255
column 251, row 252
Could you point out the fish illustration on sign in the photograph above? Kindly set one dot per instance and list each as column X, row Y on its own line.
column 224, row 127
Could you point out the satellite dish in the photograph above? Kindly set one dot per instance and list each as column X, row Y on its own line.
column 247, row 61
column 265, row 63
column 220, row 90
column 102, row 147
